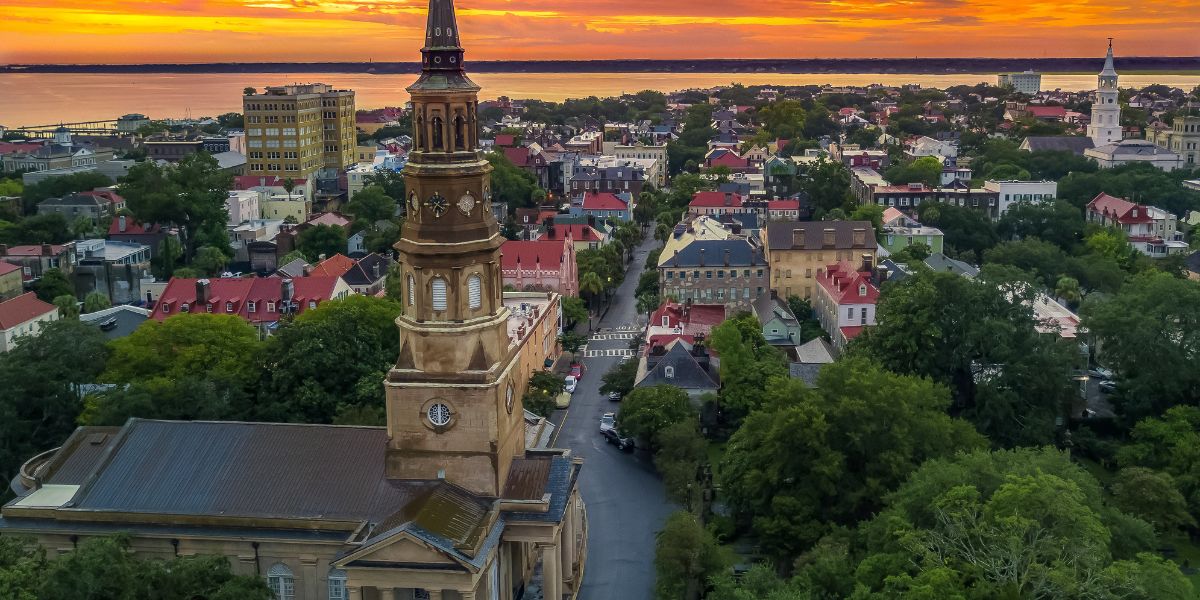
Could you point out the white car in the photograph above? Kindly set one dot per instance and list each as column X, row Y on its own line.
column 571, row 382
column 608, row 422
column 1101, row 373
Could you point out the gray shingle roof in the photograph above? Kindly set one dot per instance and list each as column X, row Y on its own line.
column 1069, row 143
column 688, row 374
column 780, row 236
column 712, row 253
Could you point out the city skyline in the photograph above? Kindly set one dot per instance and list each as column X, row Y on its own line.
column 52, row 31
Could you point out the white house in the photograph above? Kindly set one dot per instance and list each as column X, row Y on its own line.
column 21, row 316
column 1012, row 191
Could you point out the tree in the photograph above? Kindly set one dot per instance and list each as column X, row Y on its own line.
column 53, row 284
column 620, row 378
column 38, row 397
column 872, row 213
column 1152, row 497
column 812, row 459
column 926, row 170
column 827, row 183
column 1067, row 289
column 211, row 345
column 591, row 285
column 1170, row 444
column 572, row 342
column 296, row 384
column 1026, row 523
column 1149, row 334
column 749, row 365
column 685, row 556
column 189, row 194
column 96, row 301
column 57, row 187
column 1041, row 259
column 511, row 183
column 647, row 411
column 544, row 387
column 371, row 205
column 321, row 240
column 966, row 231
column 107, row 568
column 209, row 260
column 249, row 91
column 68, row 306
column 574, row 310
column 1057, row 222
column 392, row 183
column 37, row 229
column 682, row 451
column 1005, row 376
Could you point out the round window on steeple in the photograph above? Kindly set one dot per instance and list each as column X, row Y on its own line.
column 437, row 59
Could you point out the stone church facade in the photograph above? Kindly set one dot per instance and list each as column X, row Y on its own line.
column 452, row 500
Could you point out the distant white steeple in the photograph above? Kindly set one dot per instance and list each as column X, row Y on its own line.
column 1105, row 127
column 62, row 136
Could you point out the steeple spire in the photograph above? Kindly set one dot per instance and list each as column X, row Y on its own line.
column 442, row 51
column 1108, row 61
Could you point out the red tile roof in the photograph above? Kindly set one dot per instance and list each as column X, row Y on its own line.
column 602, row 201
column 7, row 267
column 238, row 292
column 728, row 159
column 1044, row 112
column 579, row 232
column 131, row 227
column 34, row 250
column 547, row 253
column 517, row 156
column 1119, row 208
column 10, row 147
column 334, row 266
column 715, row 200
column 246, row 182
column 109, row 195
column 329, row 219
column 699, row 318
column 851, row 332
column 505, row 140
column 22, row 309
column 847, row 286
column 783, row 205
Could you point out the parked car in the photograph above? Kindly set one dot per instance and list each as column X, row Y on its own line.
column 577, row 371
column 608, row 422
column 562, row 400
column 570, row 382
column 1100, row 373
column 623, row 444
column 614, row 396
column 1108, row 387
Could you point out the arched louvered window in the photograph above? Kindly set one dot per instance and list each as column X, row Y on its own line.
column 438, row 286
column 337, row 584
column 281, row 581
column 475, row 291
column 412, row 290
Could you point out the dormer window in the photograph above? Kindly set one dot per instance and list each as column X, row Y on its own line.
column 228, row 307
column 270, row 307
column 251, row 306
column 184, row 307
column 669, row 372
column 208, row 307
column 166, row 307
column 862, row 290
column 666, row 321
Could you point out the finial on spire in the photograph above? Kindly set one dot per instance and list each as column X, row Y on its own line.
column 1109, row 70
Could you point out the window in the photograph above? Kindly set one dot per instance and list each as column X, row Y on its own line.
column 850, row 312
column 337, row 584
column 251, row 306
column 270, row 307
column 412, row 292
column 666, row 321
column 438, row 285
column 184, row 307
column 708, row 274
column 720, row 274
column 281, row 582
column 474, row 292
column 208, row 307
column 166, row 308
column 669, row 372
column 312, row 304
column 439, row 415
column 670, row 275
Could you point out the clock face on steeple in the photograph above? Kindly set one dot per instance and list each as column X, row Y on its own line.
column 466, row 203
column 437, row 203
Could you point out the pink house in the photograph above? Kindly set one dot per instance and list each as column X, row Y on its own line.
column 540, row 265
column 260, row 301
column 845, row 303
column 717, row 203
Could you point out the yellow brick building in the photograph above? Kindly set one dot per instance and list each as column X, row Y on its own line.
column 799, row 251
column 301, row 132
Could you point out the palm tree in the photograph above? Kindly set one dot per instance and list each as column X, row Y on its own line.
column 591, row 284
column 289, row 184
column 1068, row 289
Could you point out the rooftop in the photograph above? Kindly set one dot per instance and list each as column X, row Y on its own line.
column 22, row 309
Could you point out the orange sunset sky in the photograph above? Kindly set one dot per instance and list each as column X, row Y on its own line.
column 153, row 31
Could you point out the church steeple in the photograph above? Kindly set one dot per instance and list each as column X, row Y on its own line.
column 1105, row 125
column 442, row 51
column 1109, row 70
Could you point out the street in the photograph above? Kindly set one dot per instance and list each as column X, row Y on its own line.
column 624, row 496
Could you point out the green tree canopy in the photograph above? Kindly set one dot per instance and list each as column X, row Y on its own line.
column 1170, row 444
column 38, row 397
column 1149, row 334
column 298, row 384
column 749, row 365
column 319, row 240
column 686, row 555
column 813, row 459
column 96, row 301
column 979, row 338
column 966, row 230
column 189, row 194
column 53, row 284
column 827, row 183
column 926, row 170
column 1057, row 222
column 647, row 411
column 192, row 344
column 372, row 204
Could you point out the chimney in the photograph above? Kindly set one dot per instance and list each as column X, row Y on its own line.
column 860, row 236
column 287, row 290
column 830, row 237
column 203, row 291
column 727, row 257
column 121, row 223
column 375, row 270
column 47, row 250
column 868, row 263
column 797, row 238
column 728, row 199
column 3, row 249
column 321, row 256
column 702, row 257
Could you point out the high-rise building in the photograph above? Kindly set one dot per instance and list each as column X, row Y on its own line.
column 301, row 132
column 1028, row 82
column 1105, row 127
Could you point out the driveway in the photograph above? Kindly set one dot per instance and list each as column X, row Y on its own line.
column 626, row 505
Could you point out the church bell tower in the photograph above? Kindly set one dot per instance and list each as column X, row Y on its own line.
column 450, row 404
column 1105, row 126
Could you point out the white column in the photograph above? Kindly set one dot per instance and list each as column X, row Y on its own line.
column 551, row 574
